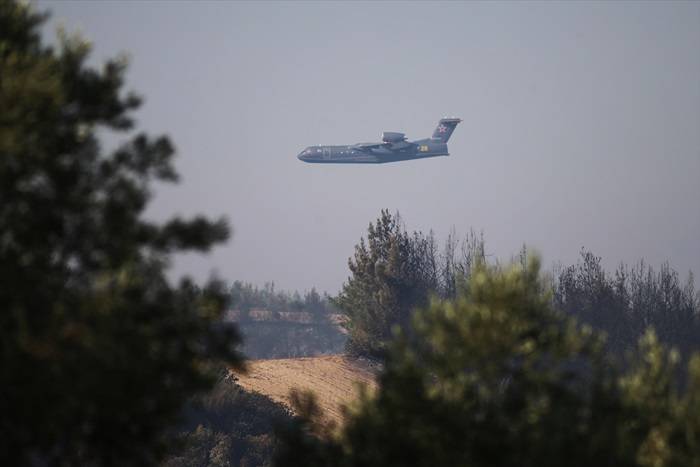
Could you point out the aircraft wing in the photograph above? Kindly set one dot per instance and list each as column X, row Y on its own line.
column 368, row 145
column 399, row 145
column 390, row 146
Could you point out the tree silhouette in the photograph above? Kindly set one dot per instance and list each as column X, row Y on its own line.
column 98, row 351
column 498, row 377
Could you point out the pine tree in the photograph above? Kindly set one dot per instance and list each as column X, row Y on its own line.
column 497, row 377
column 98, row 351
column 380, row 292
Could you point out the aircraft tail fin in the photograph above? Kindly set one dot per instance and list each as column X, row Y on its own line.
column 445, row 128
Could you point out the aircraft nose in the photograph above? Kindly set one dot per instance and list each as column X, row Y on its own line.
column 304, row 155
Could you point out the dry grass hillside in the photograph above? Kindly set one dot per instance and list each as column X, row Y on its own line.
column 332, row 378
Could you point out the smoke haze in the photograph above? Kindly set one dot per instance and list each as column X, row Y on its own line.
column 581, row 124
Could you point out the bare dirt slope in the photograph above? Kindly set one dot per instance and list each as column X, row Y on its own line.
column 332, row 378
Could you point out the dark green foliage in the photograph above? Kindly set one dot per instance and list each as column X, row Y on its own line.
column 314, row 331
column 498, row 377
column 245, row 297
column 392, row 273
column 625, row 304
column 229, row 427
column 98, row 352
column 382, row 289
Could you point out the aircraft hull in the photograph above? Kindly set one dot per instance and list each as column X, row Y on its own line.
column 393, row 148
column 371, row 159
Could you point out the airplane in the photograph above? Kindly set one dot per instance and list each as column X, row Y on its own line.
column 393, row 148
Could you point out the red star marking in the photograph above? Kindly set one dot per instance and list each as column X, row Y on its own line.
column 442, row 129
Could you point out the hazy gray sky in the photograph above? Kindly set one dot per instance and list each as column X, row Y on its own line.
column 581, row 124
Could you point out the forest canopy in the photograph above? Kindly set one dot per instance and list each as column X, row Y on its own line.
column 394, row 272
column 498, row 377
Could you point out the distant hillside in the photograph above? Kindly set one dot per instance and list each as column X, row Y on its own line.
column 288, row 334
column 300, row 317
column 333, row 378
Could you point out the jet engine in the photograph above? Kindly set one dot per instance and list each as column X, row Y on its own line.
column 392, row 137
